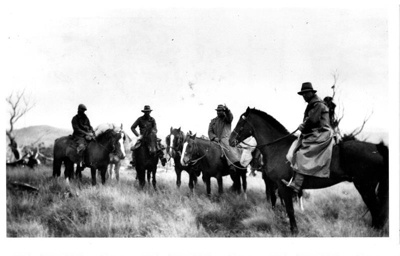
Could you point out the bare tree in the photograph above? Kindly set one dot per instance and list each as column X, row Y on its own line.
column 19, row 105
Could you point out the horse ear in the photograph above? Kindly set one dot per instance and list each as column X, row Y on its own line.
column 170, row 130
column 122, row 126
column 179, row 129
column 194, row 136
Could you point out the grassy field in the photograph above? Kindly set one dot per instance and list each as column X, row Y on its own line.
column 123, row 210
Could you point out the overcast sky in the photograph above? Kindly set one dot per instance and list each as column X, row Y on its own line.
column 184, row 62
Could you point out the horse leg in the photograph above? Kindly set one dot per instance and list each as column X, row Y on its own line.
column 367, row 192
column 178, row 177
column 244, row 183
column 286, row 193
column 93, row 172
column 154, row 179
column 116, row 169
column 207, row 180
column 141, row 176
column 57, row 168
column 220, row 185
column 69, row 169
column 110, row 170
column 148, row 172
column 191, row 182
column 103, row 172
column 269, row 190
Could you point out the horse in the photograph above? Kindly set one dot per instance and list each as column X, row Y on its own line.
column 361, row 162
column 146, row 158
column 115, row 161
column 174, row 148
column 206, row 156
column 96, row 155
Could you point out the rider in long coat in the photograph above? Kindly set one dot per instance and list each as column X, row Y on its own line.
column 146, row 122
column 83, row 131
column 311, row 154
column 219, row 131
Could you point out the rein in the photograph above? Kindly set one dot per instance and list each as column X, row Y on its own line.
column 194, row 162
column 226, row 157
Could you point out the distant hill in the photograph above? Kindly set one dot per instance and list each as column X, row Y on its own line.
column 39, row 134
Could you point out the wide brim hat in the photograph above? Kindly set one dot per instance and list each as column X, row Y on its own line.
column 220, row 108
column 147, row 109
column 306, row 87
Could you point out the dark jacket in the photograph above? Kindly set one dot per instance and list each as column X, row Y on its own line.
column 316, row 116
column 144, row 125
column 220, row 127
column 81, row 125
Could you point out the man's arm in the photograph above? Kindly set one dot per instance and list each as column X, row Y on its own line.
column 133, row 127
column 154, row 126
column 228, row 115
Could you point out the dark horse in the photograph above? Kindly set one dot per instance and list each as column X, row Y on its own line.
column 206, row 155
column 174, row 148
column 361, row 162
column 96, row 155
column 146, row 158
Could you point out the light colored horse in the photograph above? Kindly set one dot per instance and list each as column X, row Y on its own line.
column 115, row 161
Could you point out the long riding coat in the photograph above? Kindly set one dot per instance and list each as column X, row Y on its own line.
column 313, row 149
column 221, row 128
column 81, row 126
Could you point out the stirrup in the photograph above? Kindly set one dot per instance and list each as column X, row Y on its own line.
column 288, row 183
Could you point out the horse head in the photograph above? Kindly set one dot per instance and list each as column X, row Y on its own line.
column 243, row 129
column 175, row 141
column 189, row 149
column 113, row 141
column 149, row 140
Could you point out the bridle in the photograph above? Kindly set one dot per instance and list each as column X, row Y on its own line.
column 195, row 161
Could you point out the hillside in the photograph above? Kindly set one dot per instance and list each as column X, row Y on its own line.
column 39, row 134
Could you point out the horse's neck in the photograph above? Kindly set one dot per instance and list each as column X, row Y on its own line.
column 202, row 146
column 264, row 133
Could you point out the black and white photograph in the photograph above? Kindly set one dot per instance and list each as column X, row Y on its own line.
column 201, row 129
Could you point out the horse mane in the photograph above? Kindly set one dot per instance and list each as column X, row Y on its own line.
column 106, row 135
column 271, row 120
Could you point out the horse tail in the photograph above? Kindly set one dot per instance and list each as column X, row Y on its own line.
column 383, row 188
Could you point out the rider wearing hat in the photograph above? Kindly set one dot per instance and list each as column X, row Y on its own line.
column 145, row 123
column 219, row 131
column 311, row 153
column 83, row 131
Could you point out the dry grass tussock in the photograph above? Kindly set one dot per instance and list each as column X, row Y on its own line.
column 122, row 209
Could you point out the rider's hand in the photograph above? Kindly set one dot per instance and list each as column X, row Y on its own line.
column 216, row 139
column 140, row 137
column 88, row 137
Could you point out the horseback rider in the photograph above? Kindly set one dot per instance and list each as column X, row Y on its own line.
column 219, row 131
column 310, row 154
column 83, row 131
column 145, row 123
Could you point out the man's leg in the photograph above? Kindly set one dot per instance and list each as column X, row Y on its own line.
column 296, row 182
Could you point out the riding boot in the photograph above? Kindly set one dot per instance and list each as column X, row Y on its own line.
column 79, row 151
column 295, row 183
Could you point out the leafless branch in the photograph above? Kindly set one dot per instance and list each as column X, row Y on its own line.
column 19, row 106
